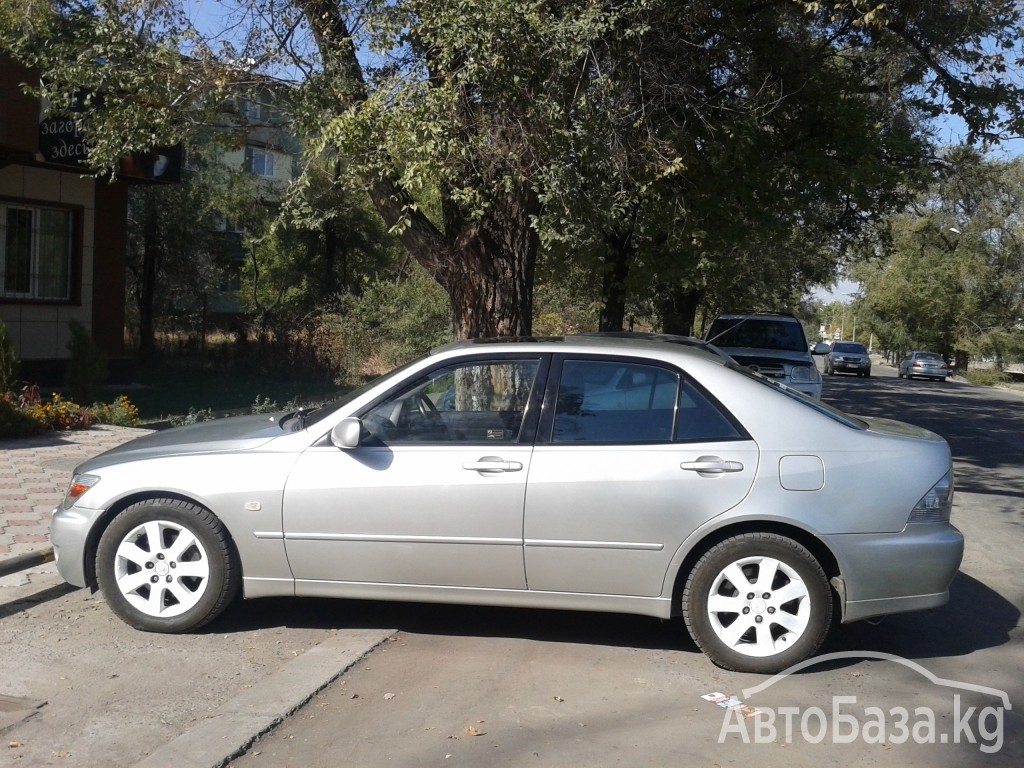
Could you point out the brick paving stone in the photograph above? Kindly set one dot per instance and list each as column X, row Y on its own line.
column 31, row 485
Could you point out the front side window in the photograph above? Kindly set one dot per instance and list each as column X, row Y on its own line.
column 476, row 402
column 35, row 252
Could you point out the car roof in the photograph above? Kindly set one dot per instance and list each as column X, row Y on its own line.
column 757, row 316
column 608, row 342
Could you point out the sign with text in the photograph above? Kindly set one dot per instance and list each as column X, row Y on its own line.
column 61, row 142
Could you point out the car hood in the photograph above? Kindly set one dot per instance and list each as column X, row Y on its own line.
column 238, row 433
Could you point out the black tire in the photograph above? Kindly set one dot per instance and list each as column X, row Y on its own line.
column 798, row 596
column 194, row 569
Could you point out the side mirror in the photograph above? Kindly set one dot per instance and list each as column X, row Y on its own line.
column 821, row 348
column 346, row 433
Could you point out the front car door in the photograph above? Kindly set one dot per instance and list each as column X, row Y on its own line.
column 632, row 456
column 434, row 494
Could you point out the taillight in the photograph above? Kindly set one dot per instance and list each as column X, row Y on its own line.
column 936, row 505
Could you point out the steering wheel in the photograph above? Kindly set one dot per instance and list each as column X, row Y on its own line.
column 426, row 406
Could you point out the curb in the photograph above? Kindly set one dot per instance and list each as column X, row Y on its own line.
column 9, row 565
column 229, row 732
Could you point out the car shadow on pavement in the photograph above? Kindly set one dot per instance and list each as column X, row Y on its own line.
column 31, row 601
column 975, row 617
column 459, row 620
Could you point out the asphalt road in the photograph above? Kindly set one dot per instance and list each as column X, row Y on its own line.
column 471, row 686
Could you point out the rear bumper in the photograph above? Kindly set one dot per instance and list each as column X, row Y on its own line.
column 897, row 572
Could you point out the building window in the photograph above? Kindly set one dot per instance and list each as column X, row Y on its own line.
column 260, row 162
column 35, row 252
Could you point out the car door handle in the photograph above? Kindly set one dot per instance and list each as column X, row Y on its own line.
column 493, row 464
column 711, row 465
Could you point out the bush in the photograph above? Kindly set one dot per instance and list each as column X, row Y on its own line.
column 8, row 362
column 120, row 413
column 986, row 377
column 87, row 368
column 16, row 422
column 193, row 417
column 60, row 414
column 390, row 323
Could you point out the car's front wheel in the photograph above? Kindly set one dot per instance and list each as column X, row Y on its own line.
column 166, row 565
column 757, row 602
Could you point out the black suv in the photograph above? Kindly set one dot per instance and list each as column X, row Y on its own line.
column 771, row 344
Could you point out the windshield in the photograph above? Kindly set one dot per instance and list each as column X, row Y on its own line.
column 758, row 333
column 301, row 419
column 841, row 346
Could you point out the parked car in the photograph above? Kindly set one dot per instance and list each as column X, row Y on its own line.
column 635, row 475
column 928, row 365
column 771, row 344
column 848, row 357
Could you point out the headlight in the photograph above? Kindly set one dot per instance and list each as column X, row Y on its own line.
column 936, row 505
column 804, row 373
column 79, row 485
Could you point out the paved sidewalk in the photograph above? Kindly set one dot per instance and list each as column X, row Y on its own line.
column 80, row 683
column 34, row 474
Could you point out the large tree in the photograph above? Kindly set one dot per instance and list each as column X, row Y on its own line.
column 792, row 128
column 951, row 277
column 462, row 118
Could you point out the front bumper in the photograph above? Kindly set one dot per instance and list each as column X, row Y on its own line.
column 843, row 365
column 887, row 573
column 69, row 534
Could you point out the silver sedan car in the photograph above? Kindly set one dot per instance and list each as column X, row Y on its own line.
column 638, row 475
column 929, row 365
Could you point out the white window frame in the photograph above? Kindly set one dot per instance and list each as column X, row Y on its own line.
column 263, row 162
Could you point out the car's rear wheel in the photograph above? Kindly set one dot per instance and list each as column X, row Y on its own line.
column 166, row 565
column 757, row 602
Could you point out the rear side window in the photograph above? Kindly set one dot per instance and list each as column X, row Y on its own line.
column 614, row 402
column 701, row 420
column 624, row 402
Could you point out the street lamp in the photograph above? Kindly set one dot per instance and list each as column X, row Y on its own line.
column 842, row 326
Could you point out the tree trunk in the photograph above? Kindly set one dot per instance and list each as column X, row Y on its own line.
column 679, row 310
column 617, row 261
column 486, row 266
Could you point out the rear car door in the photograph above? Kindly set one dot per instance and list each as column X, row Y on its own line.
column 632, row 456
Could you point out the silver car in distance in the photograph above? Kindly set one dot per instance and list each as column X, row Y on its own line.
column 603, row 473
